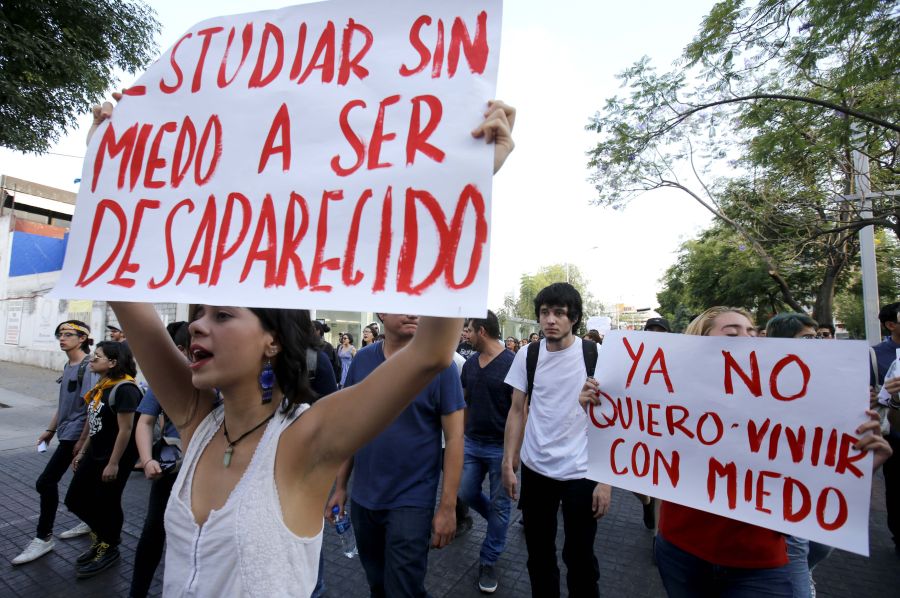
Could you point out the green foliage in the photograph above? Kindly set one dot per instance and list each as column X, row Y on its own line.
column 719, row 269
column 57, row 58
column 741, row 124
column 531, row 284
column 849, row 303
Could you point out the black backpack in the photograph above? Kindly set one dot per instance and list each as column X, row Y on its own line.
column 588, row 348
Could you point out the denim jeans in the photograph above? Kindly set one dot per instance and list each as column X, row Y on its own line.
column 48, row 486
column 393, row 548
column 687, row 576
column 483, row 459
column 798, row 554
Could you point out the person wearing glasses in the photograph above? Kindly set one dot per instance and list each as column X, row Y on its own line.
column 68, row 425
column 825, row 331
column 104, row 464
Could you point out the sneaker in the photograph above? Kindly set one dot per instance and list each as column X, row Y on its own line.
column 106, row 556
column 487, row 579
column 650, row 514
column 79, row 530
column 35, row 550
column 88, row 555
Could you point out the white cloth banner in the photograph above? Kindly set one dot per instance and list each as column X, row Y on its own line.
column 313, row 156
column 758, row 430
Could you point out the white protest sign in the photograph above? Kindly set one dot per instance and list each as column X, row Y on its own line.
column 758, row 430
column 313, row 156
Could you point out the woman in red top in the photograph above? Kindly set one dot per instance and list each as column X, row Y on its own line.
column 702, row 554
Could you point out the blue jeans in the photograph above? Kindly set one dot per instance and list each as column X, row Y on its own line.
column 393, row 548
column 485, row 459
column 687, row 576
column 798, row 554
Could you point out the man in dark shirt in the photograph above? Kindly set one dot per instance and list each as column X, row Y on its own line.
column 488, row 399
column 886, row 353
column 465, row 347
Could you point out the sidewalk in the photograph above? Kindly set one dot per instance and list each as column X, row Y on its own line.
column 623, row 544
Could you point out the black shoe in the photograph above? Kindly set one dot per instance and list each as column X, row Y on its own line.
column 487, row 579
column 650, row 514
column 106, row 556
column 464, row 526
column 88, row 555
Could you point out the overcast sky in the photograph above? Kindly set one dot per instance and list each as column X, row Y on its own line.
column 557, row 66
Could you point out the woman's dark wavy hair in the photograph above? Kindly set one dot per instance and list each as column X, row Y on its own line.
column 88, row 341
column 294, row 331
column 121, row 354
column 180, row 333
column 371, row 329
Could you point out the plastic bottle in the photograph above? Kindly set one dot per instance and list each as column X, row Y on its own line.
column 344, row 531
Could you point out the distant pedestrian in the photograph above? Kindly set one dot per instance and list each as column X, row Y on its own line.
column 512, row 344
column 69, row 425
column 464, row 347
column 346, row 353
column 369, row 335
column 488, row 399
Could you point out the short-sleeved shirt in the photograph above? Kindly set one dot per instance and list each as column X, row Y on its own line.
column 402, row 465
column 886, row 353
column 555, row 442
column 104, row 423
column 324, row 383
column 72, row 409
column 488, row 397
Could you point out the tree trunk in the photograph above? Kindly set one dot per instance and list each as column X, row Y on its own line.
column 823, row 309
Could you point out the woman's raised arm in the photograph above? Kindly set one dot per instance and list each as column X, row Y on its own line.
column 165, row 367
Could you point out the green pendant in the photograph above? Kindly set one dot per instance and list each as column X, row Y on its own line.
column 226, row 460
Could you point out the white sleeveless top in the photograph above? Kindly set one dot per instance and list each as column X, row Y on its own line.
column 244, row 548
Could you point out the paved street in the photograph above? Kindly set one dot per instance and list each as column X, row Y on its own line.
column 623, row 544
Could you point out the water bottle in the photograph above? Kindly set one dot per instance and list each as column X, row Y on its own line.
column 344, row 531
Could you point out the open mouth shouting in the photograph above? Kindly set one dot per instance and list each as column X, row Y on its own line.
column 199, row 356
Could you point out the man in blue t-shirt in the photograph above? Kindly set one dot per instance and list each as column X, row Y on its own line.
column 488, row 399
column 397, row 473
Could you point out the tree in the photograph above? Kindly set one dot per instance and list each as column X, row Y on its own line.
column 849, row 301
column 718, row 268
column 777, row 96
column 531, row 284
column 57, row 58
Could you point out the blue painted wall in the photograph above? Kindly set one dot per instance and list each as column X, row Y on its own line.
column 33, row 254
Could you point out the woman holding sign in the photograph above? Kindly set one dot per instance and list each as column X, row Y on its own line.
column 245, row 515
column 702, row 554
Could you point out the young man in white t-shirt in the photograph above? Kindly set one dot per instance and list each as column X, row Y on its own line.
column 554, row 454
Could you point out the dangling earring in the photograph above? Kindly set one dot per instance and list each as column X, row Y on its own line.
column 267, row 381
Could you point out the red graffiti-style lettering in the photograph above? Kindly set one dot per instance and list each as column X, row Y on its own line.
column 154, row 162
column 791, row 513
column 205, row 234
column 776, row 370
column 417, row 139
column 319, row 261
column 358, row 145
column 379, row 136
column 322, row 58
column 660, row 359
column 281, row 128
column 840, row 517
column 385, row 241
column 223, row 253
column 349, row 275
column 352, row 63
column 102, row 207
column 729, row 472
column 273, row 33
column 170, row 252
column 207, row 35
column 292, row 239
column 110, row 145
column 246, row 41
column 635, row 358
column 752, row 381
column 418, row 45
column 476, row 51
column 266, row 252
column 126, row 266
column 179, row 76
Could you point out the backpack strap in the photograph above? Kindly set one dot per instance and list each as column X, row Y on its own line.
column 82, row 367
column 112, row 393
column 589, row 352
column 531, row 366
column 312, row 363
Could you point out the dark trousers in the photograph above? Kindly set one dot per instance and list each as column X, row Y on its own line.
column 99, row 503
column 540, row 502
column 891, row 471
column 48, row 486
column 393, row 548
column 153, row 537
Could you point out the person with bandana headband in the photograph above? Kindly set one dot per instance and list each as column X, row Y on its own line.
column 69, row 427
